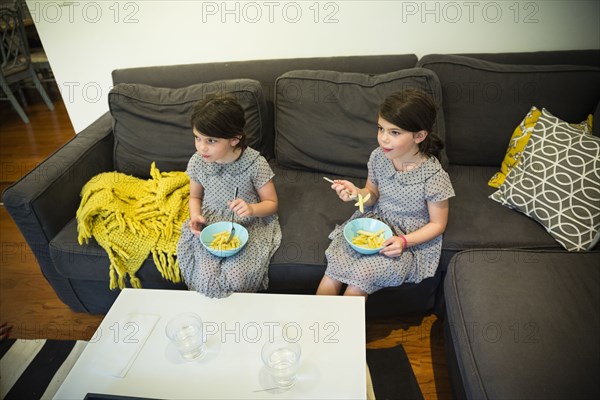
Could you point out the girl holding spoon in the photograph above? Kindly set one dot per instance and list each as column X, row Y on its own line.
column 221, row 163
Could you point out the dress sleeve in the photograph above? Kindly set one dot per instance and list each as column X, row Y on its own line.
column 263, row 173
column 194, row 169
column 371, row 168
column 438, row 187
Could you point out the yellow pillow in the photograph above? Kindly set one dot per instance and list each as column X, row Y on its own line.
column 585, row 126
column 517, row 144
column 519, row 140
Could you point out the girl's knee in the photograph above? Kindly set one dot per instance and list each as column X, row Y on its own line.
column 355, row 291
column 329, row 286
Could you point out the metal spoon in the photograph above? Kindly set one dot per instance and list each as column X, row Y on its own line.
column 232, row 232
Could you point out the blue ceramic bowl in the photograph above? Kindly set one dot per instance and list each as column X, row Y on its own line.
column 206, row 236
column 369, row 225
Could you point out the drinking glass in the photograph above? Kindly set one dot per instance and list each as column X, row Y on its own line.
column 185, row 331
column 281, row 359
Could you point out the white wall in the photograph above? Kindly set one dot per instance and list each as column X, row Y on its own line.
column 86, row 40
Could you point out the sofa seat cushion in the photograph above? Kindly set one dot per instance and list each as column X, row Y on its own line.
column 87, row 271
column 69, row 257
column 476, row 221
column 327, row 120
column 523, row 324
column 308, row 212
column 153, row 124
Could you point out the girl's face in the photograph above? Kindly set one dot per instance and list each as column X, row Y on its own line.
column 217, row 150
column 398, row 144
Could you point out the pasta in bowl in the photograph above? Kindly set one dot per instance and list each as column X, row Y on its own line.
column 366, row 235
column 214, row 238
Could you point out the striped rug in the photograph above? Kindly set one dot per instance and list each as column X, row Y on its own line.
column 35, row 369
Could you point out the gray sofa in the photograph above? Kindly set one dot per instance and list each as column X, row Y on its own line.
column 520, row 318
column 309, row 121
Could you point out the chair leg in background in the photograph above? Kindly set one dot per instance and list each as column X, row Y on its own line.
column 14, row 102
column 40, row 88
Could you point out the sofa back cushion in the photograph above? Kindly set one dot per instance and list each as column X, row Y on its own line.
column 326, row 121
column 153, row 124
column 264, row 71
column 484, row 101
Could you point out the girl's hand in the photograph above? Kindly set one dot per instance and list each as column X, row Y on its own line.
column 345, row 189
column 393, row 247
column 196, row 224
column 241, row 208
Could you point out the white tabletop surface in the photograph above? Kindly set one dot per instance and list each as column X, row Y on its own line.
column 131, row 355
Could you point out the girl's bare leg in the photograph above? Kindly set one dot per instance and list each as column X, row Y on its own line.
column 354, row 291
column 329, row 286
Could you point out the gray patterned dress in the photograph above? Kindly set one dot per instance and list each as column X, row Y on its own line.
column 245, row 271
column 402, row 205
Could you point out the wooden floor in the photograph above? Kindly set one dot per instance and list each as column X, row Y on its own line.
column 28, row 302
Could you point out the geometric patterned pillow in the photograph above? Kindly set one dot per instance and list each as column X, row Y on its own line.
column 519, row 140
column 557, row 183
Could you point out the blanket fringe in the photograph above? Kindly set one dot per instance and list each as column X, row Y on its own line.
column 131, row 218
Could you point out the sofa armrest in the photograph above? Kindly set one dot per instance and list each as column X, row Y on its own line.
column 47, row 197
column 43, row 201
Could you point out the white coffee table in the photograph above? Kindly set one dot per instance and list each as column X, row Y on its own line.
column 130, row 354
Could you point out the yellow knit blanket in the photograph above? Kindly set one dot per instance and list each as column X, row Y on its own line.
column 131, row 217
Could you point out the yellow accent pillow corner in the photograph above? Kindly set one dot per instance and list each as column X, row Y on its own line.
column 516, row 145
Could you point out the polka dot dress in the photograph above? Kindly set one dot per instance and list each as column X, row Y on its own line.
column 402, row 205
column 245, row 271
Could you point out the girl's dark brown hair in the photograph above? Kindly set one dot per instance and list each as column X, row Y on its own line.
column 414, row 110
column 220, row 116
